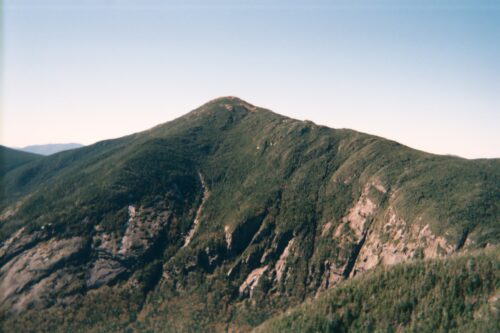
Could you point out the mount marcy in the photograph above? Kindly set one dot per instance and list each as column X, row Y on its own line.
column 233, row 218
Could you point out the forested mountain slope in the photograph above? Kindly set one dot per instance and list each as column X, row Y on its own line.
column 461, row 294
column 223, row 217
column 12, row 158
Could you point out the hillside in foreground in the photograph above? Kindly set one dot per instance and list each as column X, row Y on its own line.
column 222, row 218
column 460, row 294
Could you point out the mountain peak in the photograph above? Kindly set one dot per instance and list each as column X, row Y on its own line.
column 225, row 217
column 229, row 103
column 227, row 99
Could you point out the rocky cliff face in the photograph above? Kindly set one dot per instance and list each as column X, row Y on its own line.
column 39, row 270
column 221, row 218
column 42, row 274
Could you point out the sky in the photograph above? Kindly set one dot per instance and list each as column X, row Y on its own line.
column 423, row 73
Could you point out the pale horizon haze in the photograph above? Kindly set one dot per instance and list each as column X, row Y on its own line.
column 423, row 73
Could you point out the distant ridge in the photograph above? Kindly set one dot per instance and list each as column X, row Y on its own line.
column 50, row 148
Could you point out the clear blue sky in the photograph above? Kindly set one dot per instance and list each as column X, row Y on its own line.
column 424, row 73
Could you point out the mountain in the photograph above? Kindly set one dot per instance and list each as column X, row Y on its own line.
column 222, row 218
column 50, row 149
column 12, row 158
column 460, row 295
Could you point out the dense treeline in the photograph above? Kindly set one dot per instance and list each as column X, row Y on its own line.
column 461, row 294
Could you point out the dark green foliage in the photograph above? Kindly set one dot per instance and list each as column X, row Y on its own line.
column 271, row 179
column 104, row 310
column 252, row 161
column 12, row 158
column 457, row 295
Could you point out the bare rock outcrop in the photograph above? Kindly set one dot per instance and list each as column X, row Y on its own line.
column 395, row 241
column 142, row 231
column 30, row 278
column 104, row 271
column 21, row 241
column 199, row 211
column 116, row 256
column 252, row 280
column 281, row 263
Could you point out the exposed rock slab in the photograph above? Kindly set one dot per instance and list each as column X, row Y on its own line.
column 21, row 279
column 196, row 221
column 252, row 280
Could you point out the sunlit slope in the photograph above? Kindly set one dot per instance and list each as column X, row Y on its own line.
column 275, row 210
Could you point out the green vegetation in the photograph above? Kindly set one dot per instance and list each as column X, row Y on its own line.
column 254, row 159
column 460, row 294
column 11, row 159
column 274, row 182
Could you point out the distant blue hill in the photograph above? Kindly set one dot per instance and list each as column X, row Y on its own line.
column 50, row 149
